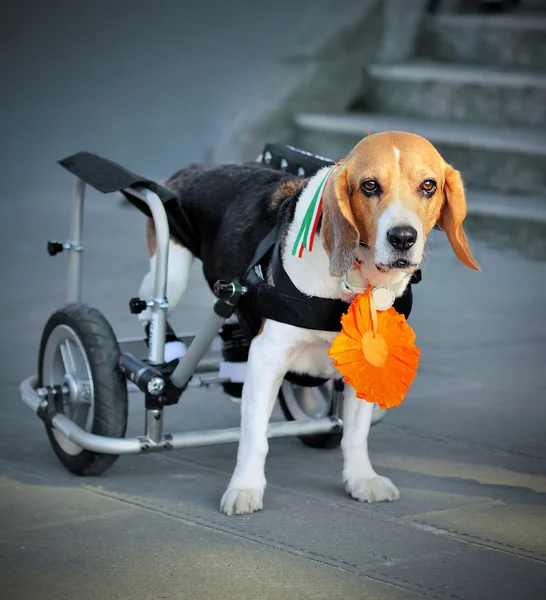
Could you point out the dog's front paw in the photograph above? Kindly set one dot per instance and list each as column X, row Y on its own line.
column 374, row 489
column 237, row 501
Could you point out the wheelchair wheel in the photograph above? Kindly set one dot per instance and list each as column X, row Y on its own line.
column 79, row 351
column 299, row 402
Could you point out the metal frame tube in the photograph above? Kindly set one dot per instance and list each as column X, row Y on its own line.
column 153, row 425
column 158, row 304
column 210, row 362
column 196, row 350
column 84, row 439
column 107, row 445
column 276, row 429
column 74, row 269
column 27, row 388
column 95, row 443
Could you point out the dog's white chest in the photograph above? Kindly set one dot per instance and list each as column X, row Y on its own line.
column 314, row 360
column 299, row 350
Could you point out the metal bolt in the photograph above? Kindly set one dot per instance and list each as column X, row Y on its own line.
column 85, row 392
column 158, row 303
column 155, row 385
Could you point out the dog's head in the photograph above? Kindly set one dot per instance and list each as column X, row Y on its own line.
column 387, row 195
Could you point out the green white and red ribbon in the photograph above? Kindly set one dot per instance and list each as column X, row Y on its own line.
column 308, row 229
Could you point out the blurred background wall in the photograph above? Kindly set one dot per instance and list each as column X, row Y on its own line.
column 152, row 84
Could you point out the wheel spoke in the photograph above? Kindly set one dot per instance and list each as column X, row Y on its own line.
column 68, row 358
column 80, row 414
column 79, row 407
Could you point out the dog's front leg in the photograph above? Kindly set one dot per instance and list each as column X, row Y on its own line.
column 266, row 367
column 359, row 477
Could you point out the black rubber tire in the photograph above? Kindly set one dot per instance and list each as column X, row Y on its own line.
column 110, row 388
column 327, row 441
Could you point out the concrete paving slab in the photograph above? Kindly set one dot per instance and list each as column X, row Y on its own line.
column 507, row 419
column 516, row 529
column 299, row 523
column 105, row 548
column 476, row 574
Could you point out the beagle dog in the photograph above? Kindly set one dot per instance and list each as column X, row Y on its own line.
column 379, row 205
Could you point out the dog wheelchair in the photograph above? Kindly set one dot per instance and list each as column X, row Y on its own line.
column 85, row 374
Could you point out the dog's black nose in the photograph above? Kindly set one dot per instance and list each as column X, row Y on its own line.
column 402, row 238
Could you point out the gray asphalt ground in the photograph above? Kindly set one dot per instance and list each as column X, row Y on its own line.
column 467, row 448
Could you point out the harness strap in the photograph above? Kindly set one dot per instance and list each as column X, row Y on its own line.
column 325, row 312
column 265, row 246
column 283, row 301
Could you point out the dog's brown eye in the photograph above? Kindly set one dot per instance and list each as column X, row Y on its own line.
column 428, row 187
column 370, row 186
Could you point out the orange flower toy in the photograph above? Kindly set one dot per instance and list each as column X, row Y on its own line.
column 375, row 352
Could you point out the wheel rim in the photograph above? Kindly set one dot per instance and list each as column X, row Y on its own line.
column 65, row 363
column 315, row 402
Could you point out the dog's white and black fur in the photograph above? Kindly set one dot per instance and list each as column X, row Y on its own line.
column 380, row 203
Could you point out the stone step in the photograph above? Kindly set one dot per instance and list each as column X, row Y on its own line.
column 512, row 40
column 461, row 93
column 505, row 160
column 521, row 208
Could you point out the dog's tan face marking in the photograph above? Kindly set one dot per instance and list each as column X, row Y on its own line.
column 389, row 193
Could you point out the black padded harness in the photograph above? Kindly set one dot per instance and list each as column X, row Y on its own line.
column 282, row 301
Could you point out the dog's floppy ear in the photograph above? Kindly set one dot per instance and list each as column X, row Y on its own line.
column 452, row 216
column 338, row 229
